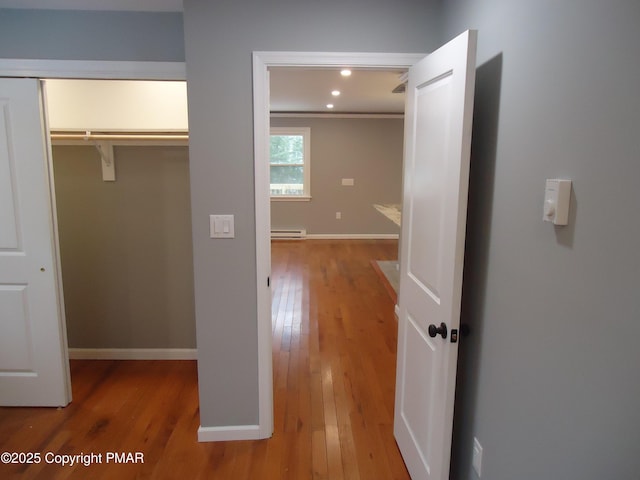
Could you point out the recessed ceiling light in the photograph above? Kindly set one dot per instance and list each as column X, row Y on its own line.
column 329, row 105
column 335, row 93
column 345, row 73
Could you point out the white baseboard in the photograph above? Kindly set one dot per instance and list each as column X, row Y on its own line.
column 133, row 353
column 353, row 236
column 233, row 432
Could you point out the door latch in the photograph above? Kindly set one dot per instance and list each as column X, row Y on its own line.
column 454, row 335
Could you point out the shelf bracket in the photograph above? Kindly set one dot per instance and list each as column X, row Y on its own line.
column 105, row 150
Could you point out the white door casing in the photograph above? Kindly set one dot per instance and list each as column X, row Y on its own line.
column 33, row 366
column 262, row 61
column 438, row 121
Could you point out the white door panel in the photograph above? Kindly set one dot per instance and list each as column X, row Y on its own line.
column 9, row 233
column 33, row 366
column 427, row 185
column 436, row 174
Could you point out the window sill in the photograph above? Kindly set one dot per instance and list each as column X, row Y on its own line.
column 292, row 198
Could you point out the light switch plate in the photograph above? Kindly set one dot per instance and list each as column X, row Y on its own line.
column 221, row 226
column 348, row 182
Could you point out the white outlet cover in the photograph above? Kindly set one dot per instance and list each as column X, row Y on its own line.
column 477, row 457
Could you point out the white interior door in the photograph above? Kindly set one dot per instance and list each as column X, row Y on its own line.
column 33, row 366
column 437, row 147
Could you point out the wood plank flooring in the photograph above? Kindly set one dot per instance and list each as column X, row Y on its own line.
column 334, row 347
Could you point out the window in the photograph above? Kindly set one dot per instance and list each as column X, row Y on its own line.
column 290, row 163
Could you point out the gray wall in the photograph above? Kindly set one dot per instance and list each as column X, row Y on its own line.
column 549, row 377
column 125, row 247
column 219, row 39
column 84, row 35
column 369, row 150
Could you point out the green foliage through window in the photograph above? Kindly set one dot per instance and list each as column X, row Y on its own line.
column 288, row 164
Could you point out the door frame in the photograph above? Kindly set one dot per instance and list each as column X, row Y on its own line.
column 86, row 70
column 262, row 61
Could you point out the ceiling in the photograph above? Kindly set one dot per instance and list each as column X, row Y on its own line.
column 297, row 89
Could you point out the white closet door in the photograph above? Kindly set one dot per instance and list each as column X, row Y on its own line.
column 34, row 370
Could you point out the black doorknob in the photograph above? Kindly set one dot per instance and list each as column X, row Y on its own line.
column 441, row 330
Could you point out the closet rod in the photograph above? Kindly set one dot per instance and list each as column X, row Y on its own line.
column 119, row 136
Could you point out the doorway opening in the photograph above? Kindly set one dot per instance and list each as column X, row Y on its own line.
column 121, row 186
column 40, row 69
column 262, row 62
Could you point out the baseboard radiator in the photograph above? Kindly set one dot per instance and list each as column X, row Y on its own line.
column 288, row 233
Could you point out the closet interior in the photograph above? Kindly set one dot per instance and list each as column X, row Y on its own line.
column 121, row 181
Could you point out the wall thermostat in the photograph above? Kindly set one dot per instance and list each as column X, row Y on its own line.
column 556, row 201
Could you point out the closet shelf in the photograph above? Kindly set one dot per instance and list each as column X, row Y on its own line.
column 120, row 136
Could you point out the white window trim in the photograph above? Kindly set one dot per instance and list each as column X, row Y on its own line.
column 306, row 134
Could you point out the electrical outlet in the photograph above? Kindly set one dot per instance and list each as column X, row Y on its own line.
column 476, row 461
column 338, row 215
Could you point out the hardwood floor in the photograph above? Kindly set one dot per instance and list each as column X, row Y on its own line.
column 334, row 346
